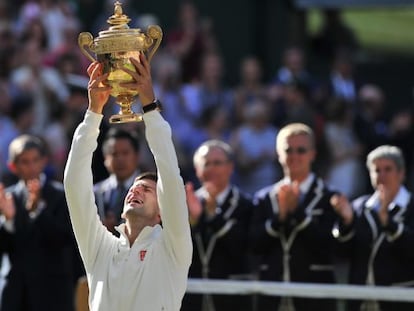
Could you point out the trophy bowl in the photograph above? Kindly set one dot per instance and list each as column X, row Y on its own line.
column 114, row 48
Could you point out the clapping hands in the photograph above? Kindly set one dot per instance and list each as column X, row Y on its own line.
column 288, row 199
column 7, row 207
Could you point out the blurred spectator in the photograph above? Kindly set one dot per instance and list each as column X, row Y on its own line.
column 295, row 106
column 34, row 30
column 254, row 146
column 377, row 230
column 56, row 138
column 67, row 57
column 6, row 16
column 167, row 83
column 401, row 128
column 210, row 92
column 251, row 87
column 343, row 82
column 292, row 223
column 345, row 168
column 6, row 126
column 215, row 124
column 42, row 83
column 8, row 39
column 75, row 108
column 371, row 121
column 27, row 12
column 334, row 34
column 58, row 17
column 168, row 87
column 36, row 233
column 189, row 40
column 18, row 121
column 76, row 103
column 293, row 68
column 219, row 217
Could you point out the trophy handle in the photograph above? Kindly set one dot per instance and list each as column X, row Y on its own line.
column 154, row 32
column 86, row 39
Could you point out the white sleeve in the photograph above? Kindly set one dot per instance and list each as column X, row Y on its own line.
column 78, row 183
column 170, row 188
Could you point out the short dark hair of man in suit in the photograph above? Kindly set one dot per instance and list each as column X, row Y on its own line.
column 120, row 149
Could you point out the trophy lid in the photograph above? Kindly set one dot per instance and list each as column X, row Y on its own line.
column 118, row 20
column 119, row 37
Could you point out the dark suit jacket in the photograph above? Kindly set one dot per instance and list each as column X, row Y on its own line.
column 298, row 250
column 41, row 251
column 221, row 242
column 103, row 196
column 391, row 249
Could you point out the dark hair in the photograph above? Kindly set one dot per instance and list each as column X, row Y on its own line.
column 147, row 175
column 299, row 85
column 119, row 133
column 21, row 104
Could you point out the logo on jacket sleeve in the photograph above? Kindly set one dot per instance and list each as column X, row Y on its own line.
column 142, row 254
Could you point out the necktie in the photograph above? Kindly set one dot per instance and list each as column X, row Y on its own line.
column 118, row 200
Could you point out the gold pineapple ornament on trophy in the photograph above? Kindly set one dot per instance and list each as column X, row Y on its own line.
column 114, row 48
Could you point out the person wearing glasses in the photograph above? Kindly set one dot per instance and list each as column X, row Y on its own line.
column 292, row 223
column 219, row 216
column 377, row 230
column 146, row 267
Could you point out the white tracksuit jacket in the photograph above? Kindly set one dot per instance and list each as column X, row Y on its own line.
column 151, row 275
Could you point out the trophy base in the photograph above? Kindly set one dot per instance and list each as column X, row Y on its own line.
column 125, row 118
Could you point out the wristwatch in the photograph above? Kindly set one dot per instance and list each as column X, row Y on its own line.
column 155, row 105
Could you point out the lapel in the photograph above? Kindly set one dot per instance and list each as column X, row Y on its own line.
column 103, row 196
column 231, row 202
column 313, row 196
column 105, row 191
column 20, row 194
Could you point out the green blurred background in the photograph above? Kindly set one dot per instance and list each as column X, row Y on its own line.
column 382, row 30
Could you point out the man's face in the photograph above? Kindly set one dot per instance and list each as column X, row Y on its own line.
column 296, row 155
column 141, row 202
column 29, row 165
column 214, row 167
column 385, row 172
column 122, row 159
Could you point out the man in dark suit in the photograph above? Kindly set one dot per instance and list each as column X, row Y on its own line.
column 219, row 218
column 35, row 232
column 120, row 149
column 292, row 224
column 377, row 230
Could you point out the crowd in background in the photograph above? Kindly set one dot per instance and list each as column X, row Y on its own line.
column 43, row 83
